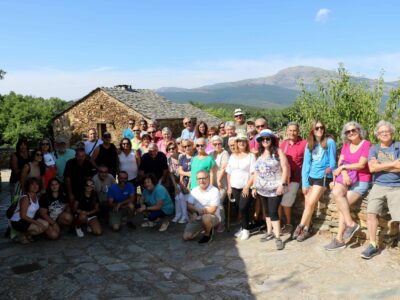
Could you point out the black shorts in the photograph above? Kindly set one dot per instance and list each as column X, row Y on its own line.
column 21, row 225
column 319, row 181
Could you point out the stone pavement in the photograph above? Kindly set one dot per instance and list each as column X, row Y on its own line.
column 147, row 264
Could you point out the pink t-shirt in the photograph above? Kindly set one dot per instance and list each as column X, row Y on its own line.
column 351, row 158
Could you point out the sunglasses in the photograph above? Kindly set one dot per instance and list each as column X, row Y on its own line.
column 319, row 128
column 221, row 127
column 267, row 139
column 347, row 132
column 186, row 146
column 130, row 123
column 260, row 126
column 188, row 122
column 200, row 145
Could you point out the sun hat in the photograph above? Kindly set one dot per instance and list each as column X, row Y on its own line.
column 265, row 133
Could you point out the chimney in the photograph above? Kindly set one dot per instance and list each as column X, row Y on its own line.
column 123, row 87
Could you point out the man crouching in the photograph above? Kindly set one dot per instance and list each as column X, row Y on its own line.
column 204, row 203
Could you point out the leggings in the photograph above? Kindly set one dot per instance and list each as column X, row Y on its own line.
column 244, row 206
column 270, row 206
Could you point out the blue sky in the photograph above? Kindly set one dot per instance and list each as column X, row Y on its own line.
column 68, row 48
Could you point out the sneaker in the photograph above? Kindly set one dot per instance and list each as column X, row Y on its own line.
column 349, row 232
column 245, row 235
column 279, row 244
column 335, row 245
column 305, row 234
column 130, row 225
column 79, row 232
column 164, row 226
column 238, row 233
column 176, row 219
column 267, row 237
column 221, row 227
column 148, row 224
column 287, row 229
column 370, row 252
column 298, row 231
column 182, row 221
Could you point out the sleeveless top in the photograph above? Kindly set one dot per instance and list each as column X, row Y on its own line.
column 128, row 164
column 31, row 212
column 269, row 175
column 21, row 162
column 108, row 157
column 34, row 172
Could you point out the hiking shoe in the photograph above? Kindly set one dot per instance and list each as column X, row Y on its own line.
column 335, row 245
column 149, row 224
column 267, row 237
column 130, row 225
column 287, row 229
column 297, row 232
column 164, row 226
column 370, row 252
column 349, row 232
column 79, row 232
column 305, row 234
column 279, row 244
column 238, row 233
column 245, row 235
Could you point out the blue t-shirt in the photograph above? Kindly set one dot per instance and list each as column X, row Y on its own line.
column 317, row 161
column 128, row 133
column 159, row 193
column 119, row 195
column 186, row 134
column 384, row 155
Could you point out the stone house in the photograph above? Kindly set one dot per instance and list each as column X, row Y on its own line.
column 109, row 109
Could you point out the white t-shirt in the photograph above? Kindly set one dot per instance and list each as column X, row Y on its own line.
column 207, row 198
column 240, row 170
column 89, row 146
column 128, row 164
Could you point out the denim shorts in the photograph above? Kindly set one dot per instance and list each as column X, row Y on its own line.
column 360, row 187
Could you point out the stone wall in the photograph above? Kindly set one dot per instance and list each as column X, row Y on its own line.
column 326, row 217
column 99, row 108
column 5, row 157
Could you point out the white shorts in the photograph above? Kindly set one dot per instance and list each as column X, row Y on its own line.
column 289, row 197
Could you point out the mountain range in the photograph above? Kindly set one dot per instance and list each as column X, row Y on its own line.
column 274, row 91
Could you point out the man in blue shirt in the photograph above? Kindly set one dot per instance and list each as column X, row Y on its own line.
column 121, row 199
column 128, row 132
column 384, row 164
column 188, row 131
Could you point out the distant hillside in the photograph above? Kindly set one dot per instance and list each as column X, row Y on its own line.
column 275, row 91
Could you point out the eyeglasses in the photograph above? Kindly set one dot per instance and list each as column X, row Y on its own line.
column 384, row 132
column 319, row 128
column 221, row 127
column 347, row 132
column 130, row 123
column 171, row 149
column 106, row 136
column 266, row 139
column 200, row 145
column 202, row 178
column 260, row 126
column 188, row 122
column 238, row 116
column 217, row 144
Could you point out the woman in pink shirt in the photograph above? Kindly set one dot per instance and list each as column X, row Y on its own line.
column 352, row 180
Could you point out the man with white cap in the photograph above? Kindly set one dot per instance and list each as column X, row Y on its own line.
column 240, row 123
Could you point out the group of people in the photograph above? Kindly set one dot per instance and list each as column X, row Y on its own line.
column 191, row 177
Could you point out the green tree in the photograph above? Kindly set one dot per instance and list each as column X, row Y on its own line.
column 27, row 116
column 2, row 73
column 341, row 100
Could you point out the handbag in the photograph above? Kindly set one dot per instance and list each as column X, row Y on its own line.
column 353, row 174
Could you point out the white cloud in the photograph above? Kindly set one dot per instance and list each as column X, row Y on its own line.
column 322, row 15
column 71, row 85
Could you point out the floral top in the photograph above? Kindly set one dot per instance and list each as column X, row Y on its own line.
column 269, row 175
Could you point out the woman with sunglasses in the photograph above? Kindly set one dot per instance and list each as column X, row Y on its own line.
column 34, row 169
column 129, row 160
column 352, row 180
column 318, row 164
column 87, row 208
column 201, row 162
column 221, row 130
column 240, row 171
column 270, row 182
column 49, row 161
column 185, row 162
